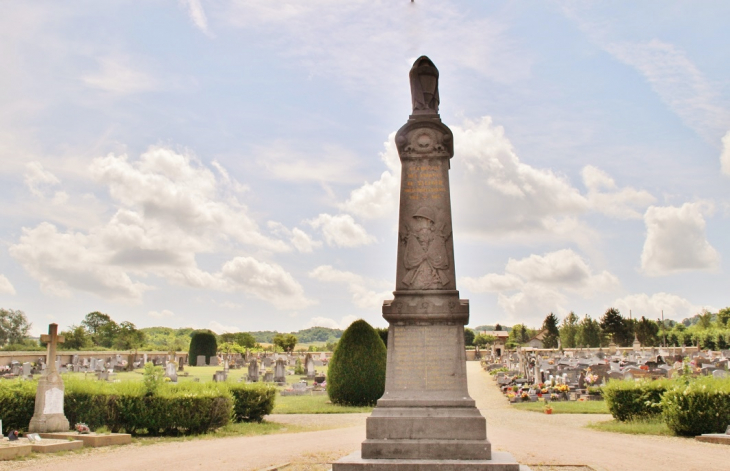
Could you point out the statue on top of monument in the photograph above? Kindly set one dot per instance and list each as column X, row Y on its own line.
column 426, row 258
column 424, row 86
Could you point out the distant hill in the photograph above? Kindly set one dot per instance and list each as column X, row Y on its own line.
column 313, row 334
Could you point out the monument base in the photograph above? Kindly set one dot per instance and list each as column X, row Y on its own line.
column 49, row 423
column 92, row 439
column 501, row 461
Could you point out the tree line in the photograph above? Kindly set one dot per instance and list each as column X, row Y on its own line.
column 706, row 330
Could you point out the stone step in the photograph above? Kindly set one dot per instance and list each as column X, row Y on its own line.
column 423, row 428
column 427, row 449
column 500, row 461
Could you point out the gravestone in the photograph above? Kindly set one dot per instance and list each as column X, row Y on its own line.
column 171, row 371
column 181, row 363
column 253, row 371
column 220, row 376
column 48, row 414
column 425, row 415
column 280, row 371
column 27, row 371
column 214, row 361
column 201, row 360
column 268, row 377
column 309, row 366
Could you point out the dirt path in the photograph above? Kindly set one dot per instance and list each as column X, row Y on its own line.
column 533, row 438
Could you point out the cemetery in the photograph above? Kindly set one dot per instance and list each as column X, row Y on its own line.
column 425, row 393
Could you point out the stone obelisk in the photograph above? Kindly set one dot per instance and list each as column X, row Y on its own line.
column 426, row 419
column 48, row 415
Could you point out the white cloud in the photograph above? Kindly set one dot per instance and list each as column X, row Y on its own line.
column 72, row 260
column 497, row 196
column 5, row 286
column 161, row 314
column 302, row 241
column 676, row 240
column 118, row 76
column 266, row 281
column 360, row 288
column 651, row 307
column 532, row 287
column 173, row 190
column 677, row 81
column 343, row 323
column 197, row 14
column 725, row 155
column 341, row 230
column 380, row 198
column 170, row 208
column 40, row 183
column 219, row 328
column 624, row 203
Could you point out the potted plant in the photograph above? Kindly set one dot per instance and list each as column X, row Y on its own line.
column 548, row 409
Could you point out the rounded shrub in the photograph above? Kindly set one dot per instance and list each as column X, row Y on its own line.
column 702, row 406
column 356, row 373
column 634, row 400
column 202, row 342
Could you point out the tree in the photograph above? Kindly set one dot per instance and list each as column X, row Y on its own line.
column 569, row 331
column 14, row 326
column 128, row 337
column 619, row 329
column 76, row 338
column 243, row 339
column 286, row 342
column 589, row 333
column 482, row 340
column 497, row 328
column 647, row 331
column 518, row 336
column 550, row 340
column 705, row 320
column 723, row 318
column 202, row 342
column 468, row 337
column 356, row 374
column 102, row 328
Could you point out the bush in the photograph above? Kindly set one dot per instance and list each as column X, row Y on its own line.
column 202, row 342
column 632, row 400
column 252, row 402
column 702, row 406
column 17, row 401
column 356, row 374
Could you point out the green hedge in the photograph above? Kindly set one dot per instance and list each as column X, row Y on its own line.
column 702, row 406
column 632, row 400
column 252, row 402
column 185, row 408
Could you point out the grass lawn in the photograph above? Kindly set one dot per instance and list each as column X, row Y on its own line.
column 312, row 405
column 638, row 427
column 568, row 407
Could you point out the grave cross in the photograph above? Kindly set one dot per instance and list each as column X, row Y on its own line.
column 52, row 339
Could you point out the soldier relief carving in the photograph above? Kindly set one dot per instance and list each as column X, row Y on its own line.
column 426, row 257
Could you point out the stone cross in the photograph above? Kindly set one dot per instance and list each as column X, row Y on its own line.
column 52, row 339
column 48, row 414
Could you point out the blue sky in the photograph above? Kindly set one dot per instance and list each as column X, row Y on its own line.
column 229, row 164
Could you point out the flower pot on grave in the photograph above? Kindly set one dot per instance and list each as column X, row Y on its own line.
column 548, row 411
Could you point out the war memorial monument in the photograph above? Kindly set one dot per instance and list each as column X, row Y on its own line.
column 426, row 419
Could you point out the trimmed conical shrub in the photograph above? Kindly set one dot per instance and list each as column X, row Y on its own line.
column 356, row 373
column 202, row 342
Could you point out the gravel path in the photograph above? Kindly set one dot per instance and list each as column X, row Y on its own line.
column 534, row 438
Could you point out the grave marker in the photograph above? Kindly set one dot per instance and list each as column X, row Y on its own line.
column 48, row 415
